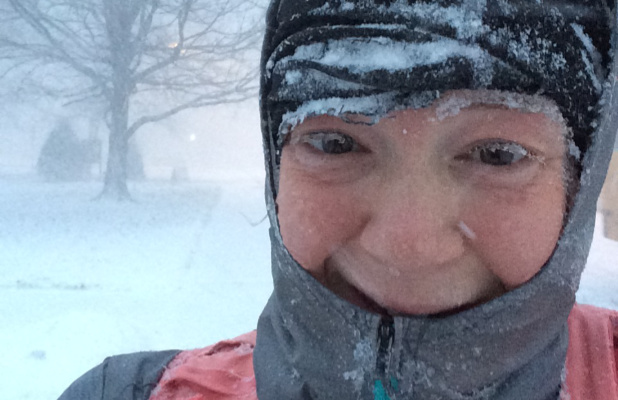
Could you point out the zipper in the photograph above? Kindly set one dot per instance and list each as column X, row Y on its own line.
column 386, row 337
column 385, row 384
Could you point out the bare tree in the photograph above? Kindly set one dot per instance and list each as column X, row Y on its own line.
column 145, row 60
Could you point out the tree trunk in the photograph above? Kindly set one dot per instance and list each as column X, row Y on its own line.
column 115, row 184
column 120, row 16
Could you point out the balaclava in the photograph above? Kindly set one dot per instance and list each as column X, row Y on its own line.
column 375, row 56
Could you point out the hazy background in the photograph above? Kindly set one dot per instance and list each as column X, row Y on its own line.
column 182, row 263
column 211, row 143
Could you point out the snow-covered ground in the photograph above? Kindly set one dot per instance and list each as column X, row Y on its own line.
column 183, row 266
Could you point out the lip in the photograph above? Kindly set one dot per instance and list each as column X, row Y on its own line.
column 344, row 283
column 342, row 280
column 342, row 287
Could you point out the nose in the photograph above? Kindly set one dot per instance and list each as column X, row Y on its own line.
column 415, row 221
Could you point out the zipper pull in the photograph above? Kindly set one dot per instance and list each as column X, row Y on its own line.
column 386, row 337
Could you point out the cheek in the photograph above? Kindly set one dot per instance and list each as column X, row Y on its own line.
column 516, row 236
column 315, row 218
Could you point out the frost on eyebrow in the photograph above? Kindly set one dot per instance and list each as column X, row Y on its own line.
column 374, row 106
column 451, row 104
column 379, row 105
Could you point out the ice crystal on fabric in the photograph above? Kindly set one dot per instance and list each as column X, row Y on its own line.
column 347, row 6
column 361, row 55
column 466, row 18
column 587, row 42
column 356, row 377
column 375, row 106
column 293, row 77
column 591, row 73
column 298, row 82
column 574, row 150
column 336, row 106
column 363, row 352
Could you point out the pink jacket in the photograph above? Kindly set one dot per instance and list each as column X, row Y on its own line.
column 224, row 371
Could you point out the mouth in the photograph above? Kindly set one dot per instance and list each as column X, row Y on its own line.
column 332, row 280
column 443, row 302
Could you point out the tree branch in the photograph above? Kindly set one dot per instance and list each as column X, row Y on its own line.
column 202, row 101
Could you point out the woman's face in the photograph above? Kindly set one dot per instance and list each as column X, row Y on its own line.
column 418, row 214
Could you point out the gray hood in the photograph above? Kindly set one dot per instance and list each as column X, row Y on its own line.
column 313, row 345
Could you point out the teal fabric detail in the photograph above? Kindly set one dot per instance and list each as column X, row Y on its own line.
column 378, row 391
column 394, row 384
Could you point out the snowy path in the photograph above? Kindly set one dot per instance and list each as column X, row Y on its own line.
column 181, row 267
column 81, row 280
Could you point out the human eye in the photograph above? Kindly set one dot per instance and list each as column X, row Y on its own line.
column 329, row 155
column 330, row 142
column 499, row 163
column 497, row 153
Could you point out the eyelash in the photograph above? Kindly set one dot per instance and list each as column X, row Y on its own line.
column 341, row 143
column 507, row 153
column 330, row 143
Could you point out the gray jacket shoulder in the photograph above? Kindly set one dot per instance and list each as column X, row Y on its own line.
column 124, row 377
